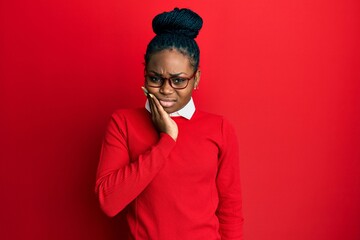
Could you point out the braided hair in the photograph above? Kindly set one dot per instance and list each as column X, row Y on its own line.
column 177, row 30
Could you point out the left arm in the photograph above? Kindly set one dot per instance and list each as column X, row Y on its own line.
column 229, row 210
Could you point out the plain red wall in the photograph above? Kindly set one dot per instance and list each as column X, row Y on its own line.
column 286, row 73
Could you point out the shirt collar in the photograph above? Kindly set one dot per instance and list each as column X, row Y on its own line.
column 187, row 111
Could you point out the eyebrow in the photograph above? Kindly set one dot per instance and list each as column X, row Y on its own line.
column 171, row 74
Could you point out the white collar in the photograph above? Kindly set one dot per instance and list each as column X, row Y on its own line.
column 187, row 111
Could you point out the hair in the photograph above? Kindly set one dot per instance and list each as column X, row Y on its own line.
column 177, row 30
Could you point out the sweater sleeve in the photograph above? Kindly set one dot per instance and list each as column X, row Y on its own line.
column 229, row 209
column 119, row 180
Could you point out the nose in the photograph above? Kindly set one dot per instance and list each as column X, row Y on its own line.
column 166, row 88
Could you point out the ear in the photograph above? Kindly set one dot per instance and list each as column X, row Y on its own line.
column 197, row 79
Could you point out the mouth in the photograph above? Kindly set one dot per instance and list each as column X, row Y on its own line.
column 167, row 103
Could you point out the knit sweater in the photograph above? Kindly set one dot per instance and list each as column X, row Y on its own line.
column 187, row 189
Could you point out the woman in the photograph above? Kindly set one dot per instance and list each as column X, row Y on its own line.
column 175, row 168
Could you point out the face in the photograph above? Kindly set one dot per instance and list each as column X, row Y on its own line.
column 169, row 63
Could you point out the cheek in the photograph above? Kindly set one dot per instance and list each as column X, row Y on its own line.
column 153, row 90
column 185, row 95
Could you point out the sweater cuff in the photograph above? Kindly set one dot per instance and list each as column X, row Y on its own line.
column 166, row 144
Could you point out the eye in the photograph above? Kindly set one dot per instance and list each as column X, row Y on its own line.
column 178, row 80
column 155, row 79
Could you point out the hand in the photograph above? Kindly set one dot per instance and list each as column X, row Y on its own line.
column 161, row 118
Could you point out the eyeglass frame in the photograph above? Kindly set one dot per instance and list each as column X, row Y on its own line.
column 163, row 79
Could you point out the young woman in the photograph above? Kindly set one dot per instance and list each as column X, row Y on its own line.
column 175, row 168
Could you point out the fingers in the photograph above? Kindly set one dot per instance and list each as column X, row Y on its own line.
column 161, row 118
column 158, row 106
column 153, row 107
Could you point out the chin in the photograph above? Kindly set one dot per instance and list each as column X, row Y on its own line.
column 171, row 110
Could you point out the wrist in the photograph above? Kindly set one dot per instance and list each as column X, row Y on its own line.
column 173, row 136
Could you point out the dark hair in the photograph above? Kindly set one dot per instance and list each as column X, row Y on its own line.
column 176, row 29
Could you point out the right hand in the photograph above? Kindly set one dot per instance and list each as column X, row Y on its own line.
column 161, row 118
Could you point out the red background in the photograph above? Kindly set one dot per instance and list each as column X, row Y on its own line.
column 286, row 73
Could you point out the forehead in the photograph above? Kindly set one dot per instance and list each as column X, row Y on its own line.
column 169, row 61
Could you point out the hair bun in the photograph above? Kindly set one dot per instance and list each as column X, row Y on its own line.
column 178, row 21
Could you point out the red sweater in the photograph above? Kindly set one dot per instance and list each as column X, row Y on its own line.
column 186, row 190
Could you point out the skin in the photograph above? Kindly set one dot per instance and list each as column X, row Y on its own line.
column 165, row 100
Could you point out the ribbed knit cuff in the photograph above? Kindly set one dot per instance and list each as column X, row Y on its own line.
column 166, row 144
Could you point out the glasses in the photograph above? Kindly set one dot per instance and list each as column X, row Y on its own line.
column 175, row 82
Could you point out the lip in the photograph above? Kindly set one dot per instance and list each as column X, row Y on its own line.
column 166, row 103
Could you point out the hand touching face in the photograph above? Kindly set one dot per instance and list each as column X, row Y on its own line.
column 161, row 119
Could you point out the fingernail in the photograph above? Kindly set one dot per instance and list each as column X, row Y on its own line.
column 152, row 96
column 145, row 91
